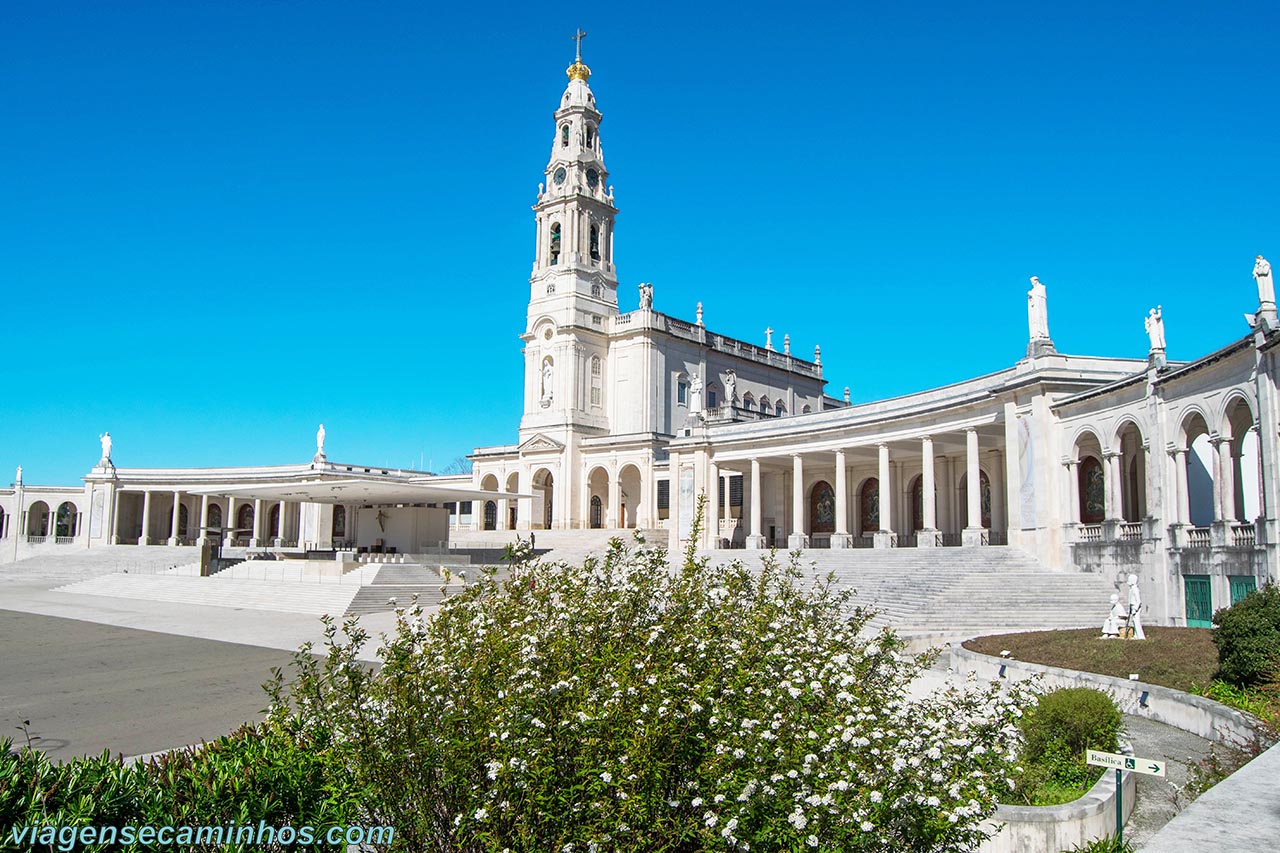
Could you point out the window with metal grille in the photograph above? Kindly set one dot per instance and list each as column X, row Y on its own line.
column 664, row 499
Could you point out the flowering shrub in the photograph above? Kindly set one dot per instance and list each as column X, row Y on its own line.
column 623, row 706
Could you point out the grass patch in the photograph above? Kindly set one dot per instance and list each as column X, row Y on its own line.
column 1182, row 658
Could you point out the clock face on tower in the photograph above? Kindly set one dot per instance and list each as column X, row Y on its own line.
column 593, row 178
column 560, row 175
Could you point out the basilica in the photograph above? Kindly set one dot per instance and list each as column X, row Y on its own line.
column 1091, row 464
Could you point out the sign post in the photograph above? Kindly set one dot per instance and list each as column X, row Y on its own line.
column 1146, row 766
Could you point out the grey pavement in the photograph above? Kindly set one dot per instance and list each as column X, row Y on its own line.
column 1156, row 804
column 88, row 688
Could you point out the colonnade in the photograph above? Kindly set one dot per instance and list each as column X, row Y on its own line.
column 257, row 539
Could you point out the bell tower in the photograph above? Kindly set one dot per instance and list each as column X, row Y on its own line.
column 573, row 287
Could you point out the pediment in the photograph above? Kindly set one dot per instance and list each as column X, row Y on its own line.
column 539, row 443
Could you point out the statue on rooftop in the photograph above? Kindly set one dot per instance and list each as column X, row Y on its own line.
column 105, row 438
column 18, row 478
column 1038, row 310
column 320, row 442
column 1155, row 327
column 646, row 297
column 1262, row 275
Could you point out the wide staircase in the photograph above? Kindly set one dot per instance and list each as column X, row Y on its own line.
column 221, row 591
column 955, row 591
column 395, row 585
column 75, row 564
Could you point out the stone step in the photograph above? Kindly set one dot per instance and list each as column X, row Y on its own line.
column 283, row 597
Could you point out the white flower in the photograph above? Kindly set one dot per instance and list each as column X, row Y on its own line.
column 481, row 814
column 695, row 802
column 867, row 826
column 812, row 841
column 607, row 777
column 876, row 797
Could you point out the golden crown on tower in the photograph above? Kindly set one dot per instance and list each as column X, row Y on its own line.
column 578, row 71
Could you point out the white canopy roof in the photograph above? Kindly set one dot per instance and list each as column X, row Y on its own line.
column 355, row 491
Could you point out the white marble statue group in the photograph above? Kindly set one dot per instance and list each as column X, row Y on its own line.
column 1125, row 620
column 646, row 297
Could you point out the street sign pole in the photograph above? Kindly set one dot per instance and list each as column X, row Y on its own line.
column 1119, row 808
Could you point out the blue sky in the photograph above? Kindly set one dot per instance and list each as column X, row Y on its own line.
column 223, row 223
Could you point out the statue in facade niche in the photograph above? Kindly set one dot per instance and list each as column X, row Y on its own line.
column 1262, row 275
column 1155, row 327
column 695, row 393
column 730, row 386
column 646, row 297
column 548, row 380
column 105, row 438
column 1038, row 310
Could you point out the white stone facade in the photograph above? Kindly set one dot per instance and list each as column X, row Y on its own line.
column 1101, row 464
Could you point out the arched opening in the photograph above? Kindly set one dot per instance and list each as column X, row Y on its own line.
column 869, row 506
column 595, row 243
column 513, row 505
column 1091, row 481
column 781, row 410
column 489, row 483
column 1243, row 502
column 273, row 522
column 807, row 409
column 764, row 406
column 598, row 490
column 544, row 503
column 490, row 515
column 1093, row 491
column 564, row 136
column 591, row 137
column 38, row 519
column 748, row 401
column 822, row 508
column 3, row 531
column 1133, row 471
column 984, row 499
column 338, row 530
column 215, row 517
column 65, row 520
column 1199, row 470
column 555, row 243
column 184, row 521
column 629, row 496
column 244, row 520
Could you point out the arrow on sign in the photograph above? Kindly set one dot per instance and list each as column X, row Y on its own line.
column 1145, row 766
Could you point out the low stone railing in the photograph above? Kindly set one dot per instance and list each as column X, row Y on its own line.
column 1089, row 533
column 1243, row 536
column 1131, row 531
column 1198, row 537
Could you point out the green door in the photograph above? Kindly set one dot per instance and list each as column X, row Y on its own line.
column 1241, row 586
column 1199, row 601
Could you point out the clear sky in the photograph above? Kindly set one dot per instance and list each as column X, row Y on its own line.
column 222, row 223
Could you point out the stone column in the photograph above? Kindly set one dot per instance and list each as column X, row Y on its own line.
column 146, row 519
column 1183, row 490
column 524, row 506
column 204, row 520
column 280, row 523
column 928, row 536
column 973, row 531
column 177, row 515
column 504, row 512
column 755, row 539
column 841, row 538
column 1228, row 467
column 1111, row 482
column 728, row 498
column 883, row 538
column 797, row 539
column 998, row 521
column 673, row 466
column 115, row 517
column 615, row 500
column 1073, row 490
column 229, row 523
column 256, row 541
column 713, row 505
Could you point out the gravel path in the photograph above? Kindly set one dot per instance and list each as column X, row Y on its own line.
column 1155, row 806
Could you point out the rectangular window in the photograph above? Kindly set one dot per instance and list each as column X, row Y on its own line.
column 595, row 394
column 452, row 506
column 711, row 398
column 664, row 499
column 682, row 393
column 735, row 496
column 464, row 508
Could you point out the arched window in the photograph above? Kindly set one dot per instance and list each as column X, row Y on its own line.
column 591, row 137
column 764, row 405
column 1093, row 500
column 215, row 516
column 597, row 291
column 38, row 519
column 917, row 504
column 65, row 521
column 555, row 243
column 712, row 397
column 564, row 136
column 822, row 508
column 748, row 402
column 339, row 526
column 184, row 519
column 3, row 532
column 782, row 409
column 595, row 243
column 807, row 409
column 984, row 500
column 869, row 506
column 597, row 512
column 490, row 515
column 244, row 520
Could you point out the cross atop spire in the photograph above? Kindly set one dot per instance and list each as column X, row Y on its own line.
column 578, row 37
